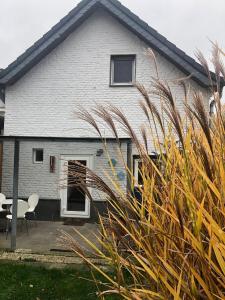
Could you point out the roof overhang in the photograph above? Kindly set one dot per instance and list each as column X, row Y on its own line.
column 63, row 139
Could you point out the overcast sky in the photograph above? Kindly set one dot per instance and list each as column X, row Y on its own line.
column 187, row 23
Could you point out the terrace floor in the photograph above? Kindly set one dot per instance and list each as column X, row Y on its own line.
column 43, row 237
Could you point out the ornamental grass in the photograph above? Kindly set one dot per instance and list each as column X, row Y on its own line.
column 164, row 238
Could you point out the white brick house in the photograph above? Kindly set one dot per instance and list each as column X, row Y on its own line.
column 91, row 56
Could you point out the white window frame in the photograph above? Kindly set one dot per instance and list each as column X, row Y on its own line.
column 136, row 171
column 63, row 191
column 131, row 83
column 136, row 161
column 34, row 156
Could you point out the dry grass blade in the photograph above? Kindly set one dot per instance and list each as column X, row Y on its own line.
column 201, row 116
column 86, row 116
column 204, row 63
column 104, row 114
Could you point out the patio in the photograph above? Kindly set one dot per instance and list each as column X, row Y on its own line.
column 43, row 236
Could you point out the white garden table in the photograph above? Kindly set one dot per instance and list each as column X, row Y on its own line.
column 8, row 203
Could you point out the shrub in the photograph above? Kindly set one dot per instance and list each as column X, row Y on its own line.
column 171, row 243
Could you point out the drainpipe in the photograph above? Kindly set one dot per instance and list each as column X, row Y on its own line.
column 15, row 194
column 2, row 94
column 129, row 165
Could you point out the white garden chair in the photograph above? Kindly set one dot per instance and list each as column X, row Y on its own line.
column 22, row 208
column 33, row 202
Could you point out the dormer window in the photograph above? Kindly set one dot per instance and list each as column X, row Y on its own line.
column 122, row 70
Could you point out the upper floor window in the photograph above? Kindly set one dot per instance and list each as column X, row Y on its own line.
column 123, row 70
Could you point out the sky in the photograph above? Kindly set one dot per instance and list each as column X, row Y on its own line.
column 190, row 24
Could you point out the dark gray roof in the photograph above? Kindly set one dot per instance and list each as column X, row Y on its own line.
column 80, row 13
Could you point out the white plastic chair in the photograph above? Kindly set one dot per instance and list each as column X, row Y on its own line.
column 2, row 198
column 22, row 208
column 33, row 202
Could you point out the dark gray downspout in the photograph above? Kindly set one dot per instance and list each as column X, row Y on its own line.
column 129, row 166
column 2, row 93
column 15, row 194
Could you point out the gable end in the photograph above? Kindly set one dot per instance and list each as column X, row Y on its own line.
column 75, row 18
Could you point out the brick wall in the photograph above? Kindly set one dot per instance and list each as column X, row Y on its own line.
column 36, row 178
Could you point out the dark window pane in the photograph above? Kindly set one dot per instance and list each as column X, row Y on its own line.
column 140, row 178
column 123, row 69
column 75, row 196
column 39, row 155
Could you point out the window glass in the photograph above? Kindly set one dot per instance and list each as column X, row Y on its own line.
column 123, row 69
column 38, row 155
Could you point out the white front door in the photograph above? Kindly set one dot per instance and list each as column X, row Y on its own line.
column 74, row 202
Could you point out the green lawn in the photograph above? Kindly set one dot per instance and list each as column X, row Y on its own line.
column 26, row 282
